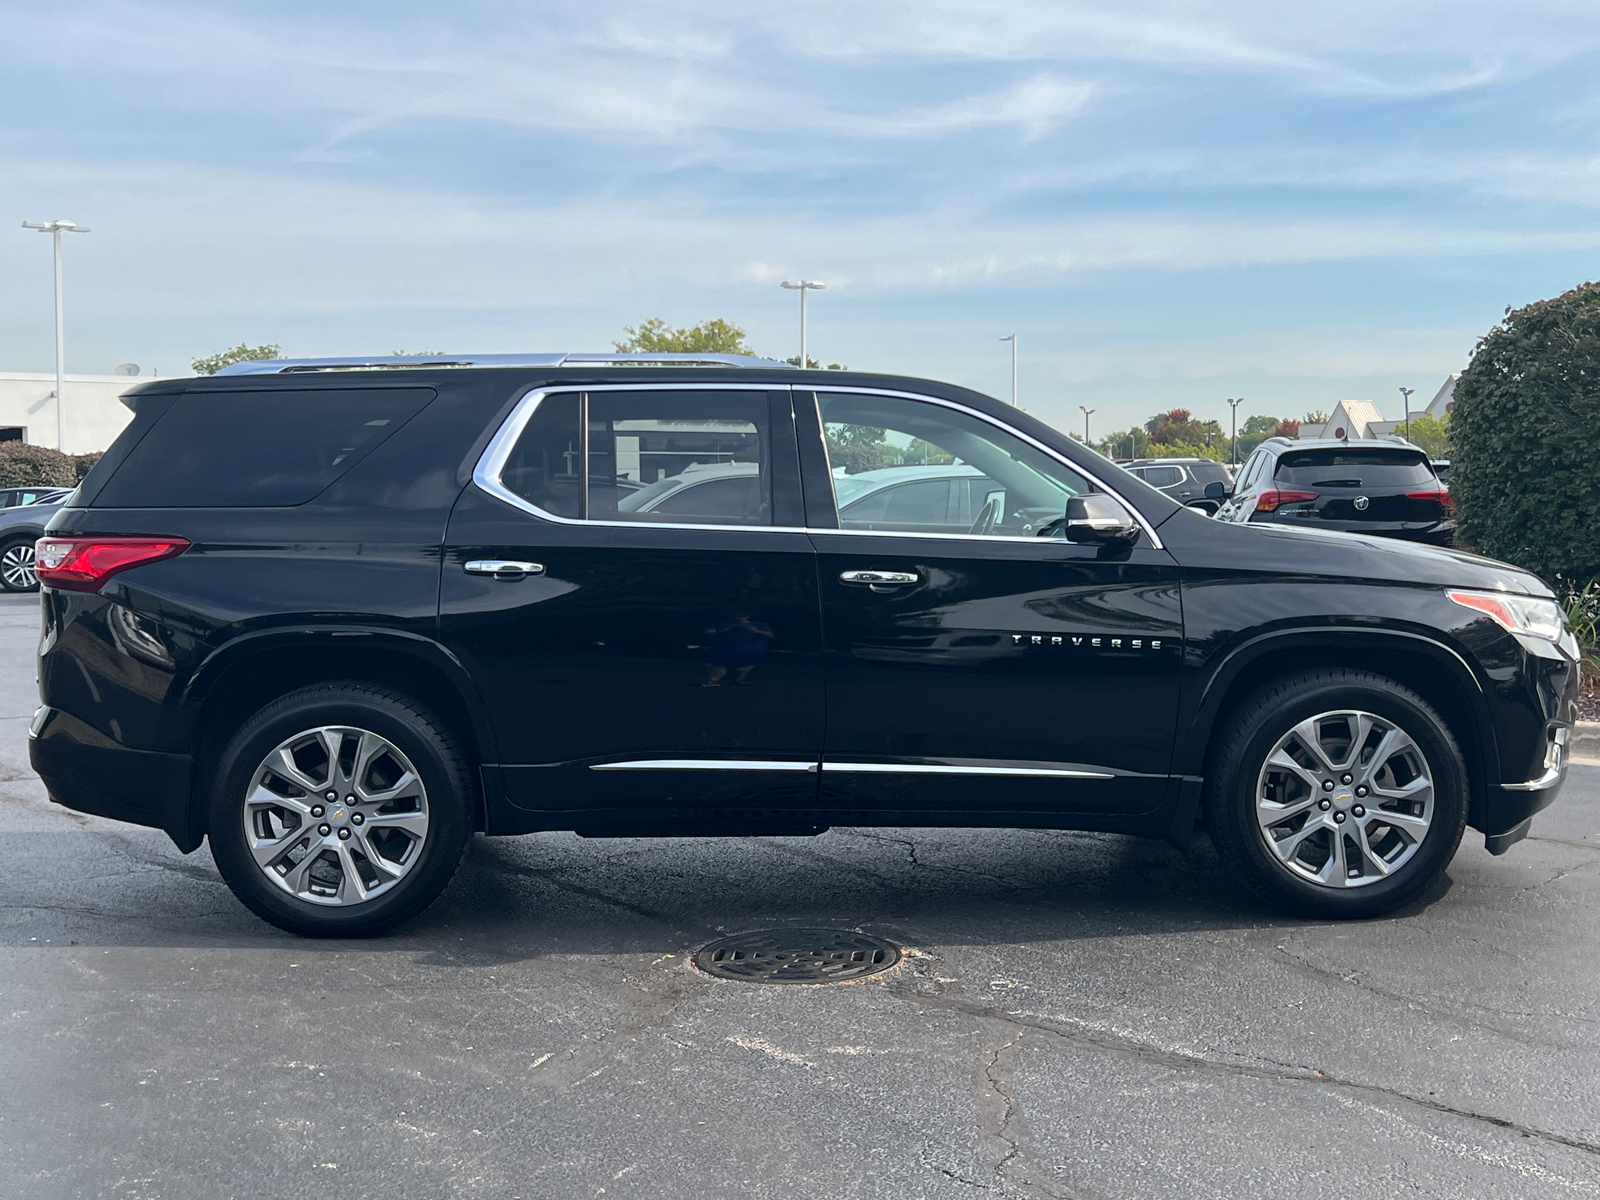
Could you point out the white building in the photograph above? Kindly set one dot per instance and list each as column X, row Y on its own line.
column 1361, row 418
column 93, row 416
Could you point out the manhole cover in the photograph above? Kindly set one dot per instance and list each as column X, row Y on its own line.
column 797, row 956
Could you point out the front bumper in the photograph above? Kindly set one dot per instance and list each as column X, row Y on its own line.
column 88, row 772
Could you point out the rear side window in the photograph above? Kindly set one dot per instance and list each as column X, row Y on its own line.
column 1365, row 468
column 1161, row 477
column 661, row 457
column 267, row 449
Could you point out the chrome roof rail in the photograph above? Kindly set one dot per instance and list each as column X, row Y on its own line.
column 387, row 362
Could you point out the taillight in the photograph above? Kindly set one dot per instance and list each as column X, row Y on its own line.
column 1439, row 493
column 1270, row 500
column 84, row 564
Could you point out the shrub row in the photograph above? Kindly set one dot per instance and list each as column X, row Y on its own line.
column 22, row 465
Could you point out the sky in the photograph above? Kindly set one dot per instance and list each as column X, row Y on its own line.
column 1169, row 204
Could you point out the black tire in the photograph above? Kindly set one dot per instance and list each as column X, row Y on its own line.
column 16, row 564
column 436, row 761
column 1252, row 735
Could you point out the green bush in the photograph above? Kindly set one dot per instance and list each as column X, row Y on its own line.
column 22, row 465
column 1525, row 438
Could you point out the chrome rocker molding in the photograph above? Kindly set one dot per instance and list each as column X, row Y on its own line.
column 1546, row 781
column 853, row 768
column 702, row 764
column 493, row 460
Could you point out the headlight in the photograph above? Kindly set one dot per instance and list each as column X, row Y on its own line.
column 1517, row 614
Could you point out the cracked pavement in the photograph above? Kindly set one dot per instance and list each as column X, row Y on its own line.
column 1078, row 1016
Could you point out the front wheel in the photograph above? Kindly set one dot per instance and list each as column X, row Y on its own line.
column 16, row 566
column 340, row 810
column 1338, row 793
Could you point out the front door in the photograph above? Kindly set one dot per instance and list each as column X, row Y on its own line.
column 628, row 583
column 989, row 670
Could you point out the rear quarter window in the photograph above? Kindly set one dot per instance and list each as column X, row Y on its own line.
column 266, row 449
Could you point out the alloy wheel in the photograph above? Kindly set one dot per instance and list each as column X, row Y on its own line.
column 1344, row 799
column 16, row 567
column 336, row 815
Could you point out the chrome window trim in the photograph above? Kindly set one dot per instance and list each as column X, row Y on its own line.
column 859, row 768
column 493, row 460
column 1149, row 529
column 704, row 764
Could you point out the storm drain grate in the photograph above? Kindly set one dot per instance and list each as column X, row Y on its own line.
column 797, row 956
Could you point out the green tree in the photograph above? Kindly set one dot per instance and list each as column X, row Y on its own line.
column 1315, row 417
column 654, row 336
column 1178, row 427
column 1259, row 428
column 212, row 363
column 1525, row 437
column 1430, row 434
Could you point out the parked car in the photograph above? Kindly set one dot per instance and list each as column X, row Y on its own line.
column 336, row 615
column 1198, row 483
column 20, row 526
column 14, row 497
column 1381, row 487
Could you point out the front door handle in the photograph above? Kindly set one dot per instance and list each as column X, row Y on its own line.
column 502, row 568
column 878, row 578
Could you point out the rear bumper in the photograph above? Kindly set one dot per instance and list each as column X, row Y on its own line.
column 88, row 772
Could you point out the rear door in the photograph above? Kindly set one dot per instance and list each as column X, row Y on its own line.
column 634, row 658
column 999, row 672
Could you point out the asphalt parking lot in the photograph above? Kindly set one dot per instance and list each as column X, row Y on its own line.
column 1078, row 1016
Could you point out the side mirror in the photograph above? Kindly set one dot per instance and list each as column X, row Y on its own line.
column 1098, row 518
column 1216, row 491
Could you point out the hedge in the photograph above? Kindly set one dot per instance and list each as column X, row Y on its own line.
column 1525, row 439
column 22, row 465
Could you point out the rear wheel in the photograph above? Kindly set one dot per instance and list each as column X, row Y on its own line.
column 1338, row 793
column 16, row 565
column 340, row 810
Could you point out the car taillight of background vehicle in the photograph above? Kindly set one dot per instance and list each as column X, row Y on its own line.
column 1440, row 493
column 84, row 564
column 1268, row 501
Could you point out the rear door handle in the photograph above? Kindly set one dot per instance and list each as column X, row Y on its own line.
column 878, row 578
column 502, row 568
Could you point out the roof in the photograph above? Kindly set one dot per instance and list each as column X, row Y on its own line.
column 1386, row 443
column 291, row 366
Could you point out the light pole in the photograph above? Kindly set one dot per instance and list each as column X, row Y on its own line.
column 1086, row 412
column 1233, row 453
column 804, row 286
column 1012, row 338
column 55, row 229
column 1405, row 394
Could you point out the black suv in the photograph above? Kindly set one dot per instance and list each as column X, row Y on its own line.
column 339, row 615
column 1382, row 487
column 1200, row 483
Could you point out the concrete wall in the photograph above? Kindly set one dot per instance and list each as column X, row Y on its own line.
column 93, row 416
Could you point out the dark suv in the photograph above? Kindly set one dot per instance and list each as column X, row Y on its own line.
column 1387, row 488
column 1199, row 483
column 339, row 615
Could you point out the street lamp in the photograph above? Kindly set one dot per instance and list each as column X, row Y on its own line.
column 804, row 286
column 1233, row 454
column 1405, row 394
column 1086, row 412
column 55, row 229
column 1012, row 338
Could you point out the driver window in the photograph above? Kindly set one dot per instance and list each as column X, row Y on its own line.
column 915, row 467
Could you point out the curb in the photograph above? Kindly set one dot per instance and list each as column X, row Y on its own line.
column 1584, row 748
